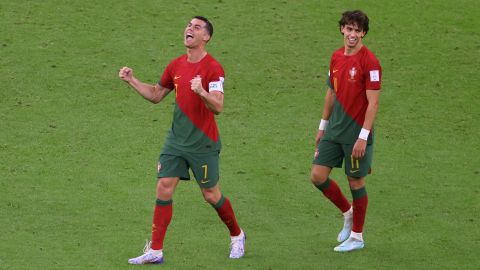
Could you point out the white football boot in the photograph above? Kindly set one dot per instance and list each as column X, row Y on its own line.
column 347, row 226
column 150, row 256
column 354, row 242
column 237, row 245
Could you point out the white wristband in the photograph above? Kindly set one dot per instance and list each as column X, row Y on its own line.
column 323, row 124
column 364, row 134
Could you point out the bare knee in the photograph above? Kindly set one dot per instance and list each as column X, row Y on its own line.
column 356, row 183
column 319, row 174
column 211, row 195
column 165, row 188
column 316, row 179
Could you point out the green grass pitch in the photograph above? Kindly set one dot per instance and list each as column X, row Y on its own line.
column 78, row 148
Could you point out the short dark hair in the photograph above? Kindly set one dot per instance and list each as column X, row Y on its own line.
column 209, row 25
column 357, row 17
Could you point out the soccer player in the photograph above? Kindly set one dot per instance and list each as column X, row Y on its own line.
column 346, row 129
column 193, row 140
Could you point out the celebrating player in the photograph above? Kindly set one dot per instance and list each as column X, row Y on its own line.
column 346, row 129
column 193, row 141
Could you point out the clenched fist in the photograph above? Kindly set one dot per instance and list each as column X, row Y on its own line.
column 125, row 74
column 196, row 85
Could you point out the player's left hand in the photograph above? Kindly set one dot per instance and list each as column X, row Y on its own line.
column 359, row 149
column 196, row 85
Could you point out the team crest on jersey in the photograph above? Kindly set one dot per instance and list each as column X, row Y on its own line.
column 352, row 73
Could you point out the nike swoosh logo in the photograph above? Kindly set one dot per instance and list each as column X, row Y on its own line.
column 335, row 70
column 204, row 181
column 354, row 171
column 176, row 77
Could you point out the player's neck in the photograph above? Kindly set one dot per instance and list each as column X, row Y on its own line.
column 352, row 50
column 196, row 55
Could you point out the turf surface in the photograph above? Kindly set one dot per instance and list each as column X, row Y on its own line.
column 78, row 148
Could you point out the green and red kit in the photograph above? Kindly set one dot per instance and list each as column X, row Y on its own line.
column 193, row 127
column 350, row 76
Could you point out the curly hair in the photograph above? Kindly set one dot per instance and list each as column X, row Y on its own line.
column 355, row 17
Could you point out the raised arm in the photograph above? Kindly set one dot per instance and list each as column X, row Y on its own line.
column 153, row 93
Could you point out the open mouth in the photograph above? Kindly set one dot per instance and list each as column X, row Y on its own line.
column 351, row 40
column 188, row 37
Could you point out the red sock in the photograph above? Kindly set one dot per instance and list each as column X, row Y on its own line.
column 161, row 218
column 359, row 209
column 332, row 191
column 226, row 214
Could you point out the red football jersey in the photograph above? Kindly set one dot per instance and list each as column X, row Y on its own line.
column 350, row 77
column 193, row 127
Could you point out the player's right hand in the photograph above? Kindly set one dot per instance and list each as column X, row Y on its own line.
column 125, row 74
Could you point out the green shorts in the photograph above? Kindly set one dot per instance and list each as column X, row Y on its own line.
column 332, row 154
column 205, row 167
